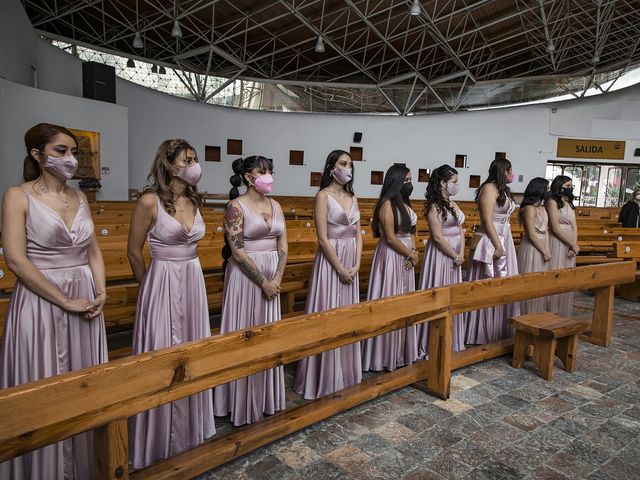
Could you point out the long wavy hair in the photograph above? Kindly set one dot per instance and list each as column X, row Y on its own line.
column 497, row 171
column 393, row 181
column 241, row 166
column 555, row 191
column 161, row 175
column 534, row 194
column 37, row 137
column 434, row 195
column 329, row 165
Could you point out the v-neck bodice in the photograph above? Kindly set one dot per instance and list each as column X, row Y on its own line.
column 340, row 222
column 258, row 235
column 169, row 240
column 50, row 242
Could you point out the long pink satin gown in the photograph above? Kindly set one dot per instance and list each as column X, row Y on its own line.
column 172, row 309
column 323, row 374
column 438, row 270
column 531, row 260
column 562, row 304
column 389, row 277
column 244, row 306
column 42, row 340
column 490, row 324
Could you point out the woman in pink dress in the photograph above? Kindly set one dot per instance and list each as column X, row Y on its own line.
column 54, row 323
column 444, row 253
column 334, row 278
column 257, row 254
column 495, row 254
column 172, row 301
column 563, row 241
column 392, row 270
column 534, row 255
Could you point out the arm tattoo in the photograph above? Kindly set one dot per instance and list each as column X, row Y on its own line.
column 252, row 272
column 233, row 224
column 282, row 261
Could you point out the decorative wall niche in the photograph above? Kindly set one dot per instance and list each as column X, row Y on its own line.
column 296, row 157
column 211, row 153
column 314, row 179
column 377, row 177
column 356, row 153
column 424, row 174
column 474, row 181
column 461, row 160
column 234, row 147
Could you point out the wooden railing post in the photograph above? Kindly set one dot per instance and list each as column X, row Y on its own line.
column 110, row 451
column 602, row 322
column 439, row 363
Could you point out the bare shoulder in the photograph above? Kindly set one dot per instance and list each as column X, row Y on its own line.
column 321, row 195
column 489, row 188
column 15, row 196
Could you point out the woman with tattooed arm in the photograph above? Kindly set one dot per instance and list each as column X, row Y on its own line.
column 255, row 256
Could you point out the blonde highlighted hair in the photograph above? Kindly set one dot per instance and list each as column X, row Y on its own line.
column 160, row 177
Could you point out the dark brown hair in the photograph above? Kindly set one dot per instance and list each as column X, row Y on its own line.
column 37, row 137
column 160, row 177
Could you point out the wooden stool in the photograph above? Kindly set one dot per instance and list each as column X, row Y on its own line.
column 545, row 335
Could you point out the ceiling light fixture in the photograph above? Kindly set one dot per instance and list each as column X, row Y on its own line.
column 131, row 63
column 176, row 31
column 319, row 48
column 137, row 41
column 551, row 47
column 154, row 69
column 415, row 8
column 162, row 70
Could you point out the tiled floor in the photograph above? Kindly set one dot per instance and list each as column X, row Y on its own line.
column 500, row 423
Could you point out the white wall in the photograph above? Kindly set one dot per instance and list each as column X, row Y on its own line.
column 22, row 107
column 420, row 142
column 614, row 116
column 18, row 41
column 527, row 134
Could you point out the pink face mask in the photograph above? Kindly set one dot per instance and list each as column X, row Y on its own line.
column 61, row 167
column 342, row 175
column 511, row 178
column 191, row 174
column 263, row 183
column 453, row 188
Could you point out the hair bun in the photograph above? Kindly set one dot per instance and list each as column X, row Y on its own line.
column 238, row 166
column 236, row 180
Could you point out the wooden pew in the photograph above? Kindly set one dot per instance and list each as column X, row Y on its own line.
column 47, row 411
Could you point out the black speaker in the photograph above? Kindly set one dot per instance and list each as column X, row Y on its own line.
column 636, row 152
column 357, row 137
column 99, row 82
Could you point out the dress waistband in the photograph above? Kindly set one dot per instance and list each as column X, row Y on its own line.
column 261, row 245
column 341, row 231
column 55, row 258
column 173, row 253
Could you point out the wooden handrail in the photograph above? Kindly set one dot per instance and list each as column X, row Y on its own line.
column 49, row 410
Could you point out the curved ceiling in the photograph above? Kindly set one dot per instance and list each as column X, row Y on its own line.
column 449, row 52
